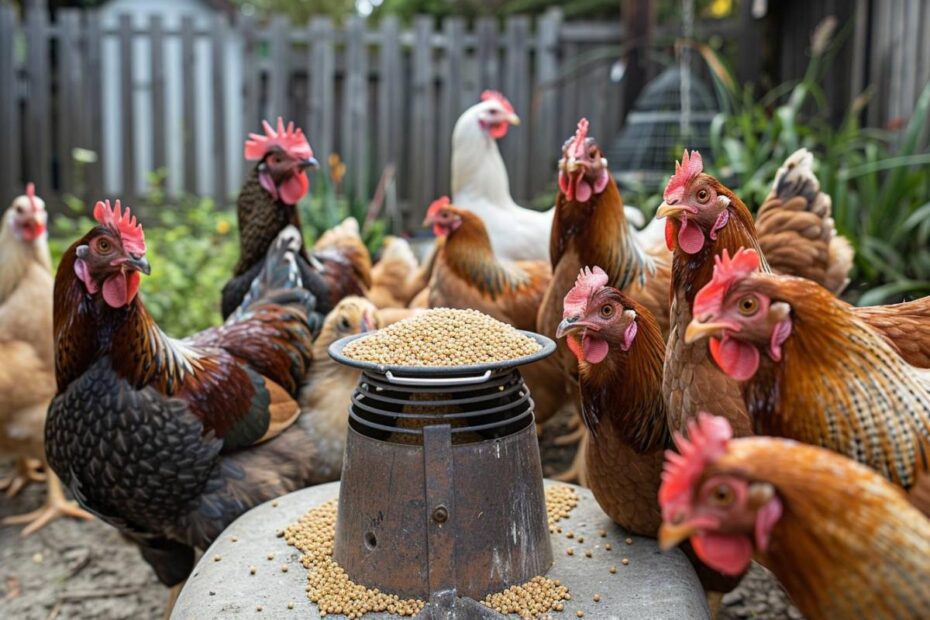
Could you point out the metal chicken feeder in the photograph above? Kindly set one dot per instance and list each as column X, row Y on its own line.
column 442, row 492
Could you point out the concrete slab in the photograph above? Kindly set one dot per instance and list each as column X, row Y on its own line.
column 653, row 585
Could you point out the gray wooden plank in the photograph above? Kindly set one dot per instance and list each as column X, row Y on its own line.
column 10, row 157
column 422, row 161
column 157, row 93
column 188, row 110
column 127, row 109
column 38, row 134
column 322, row 89
column 218, row 72
column 279, row 69
column 515, row 147
column 93, row 51
column 910, row 61
column 488, row 54
column 355, row 109
column 545, row 139
column 860, row 45
column 390, row 91
column 68, row 98
column 452, row 78
column 251, row 121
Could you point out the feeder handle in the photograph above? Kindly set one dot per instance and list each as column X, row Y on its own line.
column 438, row 381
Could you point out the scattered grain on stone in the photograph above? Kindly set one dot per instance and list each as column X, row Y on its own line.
column 625, row 561
column 629, row 541
column 560, row 500
column 443, row 337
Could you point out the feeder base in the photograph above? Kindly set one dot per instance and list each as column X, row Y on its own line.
column 653, row 584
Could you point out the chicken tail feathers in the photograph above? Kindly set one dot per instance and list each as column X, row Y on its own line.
column 280, row 282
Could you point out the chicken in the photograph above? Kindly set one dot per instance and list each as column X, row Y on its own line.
column 813, row 370
column 27, row 374
column 397, row 277
column 345, row 260
column 468, row 275
column 267, row 203
column 842, row 541
column 704, row 219
column 329, row 386
column 480, row 183
column 620, row 352
column 795, row 226
column 590, row 228
column 171, row 440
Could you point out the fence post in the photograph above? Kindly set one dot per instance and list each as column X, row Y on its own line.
column 322, row 117
column 250, row 120
column 127, row 107
column 279, row 75
column 355, row 108
column 10, row 154
column 38, row 127
column 422, row 150
column 189, row 111
column 391, row 90
column 452, row 102
column 545, row 138
column 157, row 92
column 218, row 71
column 515, row 148
column 93, row 52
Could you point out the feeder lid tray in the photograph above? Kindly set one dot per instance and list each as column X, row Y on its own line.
column 482, row 371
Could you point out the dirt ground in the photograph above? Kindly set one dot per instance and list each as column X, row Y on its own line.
column 85, row 570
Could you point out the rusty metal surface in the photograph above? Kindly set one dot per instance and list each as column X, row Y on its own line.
column 441, row 518
column 496, row 517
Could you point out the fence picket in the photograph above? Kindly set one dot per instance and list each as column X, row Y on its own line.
column 545, row 140
column 93, row 53
column 279, row 71
column 127, row 108
column 250, row 85
column 452, row 100
column 38, row 125
column 188, row 60
column 68, row 98
column 355, row 108
column 422, row 152
column 515, row 148
column 218, row 113
column 157, row 92
column 391, row 90
column 9, row 110
column 322, row 89
column 488, row 54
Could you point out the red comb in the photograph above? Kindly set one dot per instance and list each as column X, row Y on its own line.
column 707, row 440
column 493, row 94
column 727, row 272
column 576, row 146
column 124, row 224
column 289, row 138
column 690, row 167
column 588, row 282
column 436, row 205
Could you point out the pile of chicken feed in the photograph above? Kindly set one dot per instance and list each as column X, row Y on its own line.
column 443, row 337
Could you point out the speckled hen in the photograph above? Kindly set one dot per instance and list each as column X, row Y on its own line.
column 170, row 440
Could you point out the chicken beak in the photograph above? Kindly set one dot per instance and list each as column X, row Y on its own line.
column 671, row 536
column 513, row 119
column 567, row 325
column 572, row 165
column 667, row 210
column 310, row 162
column 697, row 330
column 139, row 264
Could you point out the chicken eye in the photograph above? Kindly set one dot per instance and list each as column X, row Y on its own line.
column 592, row 154
column 722, row 495
column 19, row 209
column 344, row 323
column 103, row 246
column 703, row 195
column 607, row 311
column 748, row 305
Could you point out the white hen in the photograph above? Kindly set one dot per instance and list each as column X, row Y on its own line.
column 481, row 185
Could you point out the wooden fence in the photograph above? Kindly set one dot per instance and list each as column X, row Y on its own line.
column 133, row 95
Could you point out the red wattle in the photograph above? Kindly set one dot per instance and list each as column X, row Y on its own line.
column 690, row 237
column 583, row 190
column 670, row 234
column 595, row 349
column 294, row 188
column 120, row 288
column 736, row 358
column 727, row 553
